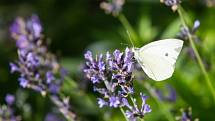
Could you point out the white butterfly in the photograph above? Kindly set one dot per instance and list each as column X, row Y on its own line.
column 158, row 58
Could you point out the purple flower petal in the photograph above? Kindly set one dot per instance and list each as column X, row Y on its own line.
column 88, row 56
column 22, row 42
column 34, row 26
column 16, row 27
column 49, row 77
column 23, row 82
column 101, row 102
column 196, row 25
column 9, row 99
column 114, row 101
column 13, row 68
column 147, row 109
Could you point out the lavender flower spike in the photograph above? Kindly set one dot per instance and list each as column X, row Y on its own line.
column 37, row 66
column 134, row 111
column 114, row 7
column 7, row 111
column 9, row 99
column 114, row 71
column 112, row 78
column 186, row 115
column 172, row 3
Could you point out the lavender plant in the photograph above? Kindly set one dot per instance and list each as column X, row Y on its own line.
column 170, row 97
column 112, row 7
column 112, row 77
column 52, row 117
column 191, row 37
column 171, row 3
column 7, row 111
column 38, row 68
column 183, row 34
column 186, row 115
column 185, row 30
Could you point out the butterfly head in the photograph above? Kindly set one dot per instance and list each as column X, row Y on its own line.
column 135, row 51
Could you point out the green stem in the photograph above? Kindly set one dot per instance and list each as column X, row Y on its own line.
column 71, row 81
column 141, row 119
column 161, row 105
column 129, row 28
column 198, row 57
column 132, row 99
column 123, row 112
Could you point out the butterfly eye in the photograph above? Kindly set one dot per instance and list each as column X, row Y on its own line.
column 166, row 54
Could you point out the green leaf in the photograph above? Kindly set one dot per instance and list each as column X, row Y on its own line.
column 171, row 30
column 146, row 31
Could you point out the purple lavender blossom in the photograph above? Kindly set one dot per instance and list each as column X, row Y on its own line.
column 171, row 3
column 195, row 26
column 114, row 7
column 37, row 67
column 16, row 28
column 7, row 111
column 184, row 34
column 134, row 111
column 114, row 101
column 34, row 26
column 112, row 77
column 102, row 102
column 170, row 97
column 23, row 82
column 49, row 77
column 186, row 31
column 54, row 88
column 186, row 115
column 52, row 117
column 63, row 105
column 172, row 94
column 114, row 72
column 14, row 68
column 10, row 99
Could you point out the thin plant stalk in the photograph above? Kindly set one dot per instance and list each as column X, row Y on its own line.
column 71, row 116
column 132, row 99
column 134, row 36
column 129, row 28
column 141, row 119
column 198, row 57
column 123, row 112
column 161, row 105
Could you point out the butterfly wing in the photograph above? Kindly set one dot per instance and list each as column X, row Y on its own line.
column 158, row 58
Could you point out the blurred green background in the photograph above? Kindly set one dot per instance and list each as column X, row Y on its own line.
column 74, row 26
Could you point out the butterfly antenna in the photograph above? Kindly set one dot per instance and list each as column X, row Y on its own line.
column 124, row 44
column 129, row 36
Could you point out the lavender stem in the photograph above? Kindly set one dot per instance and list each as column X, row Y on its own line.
column 161, row 105
column 123, row 112
column 199, row 59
